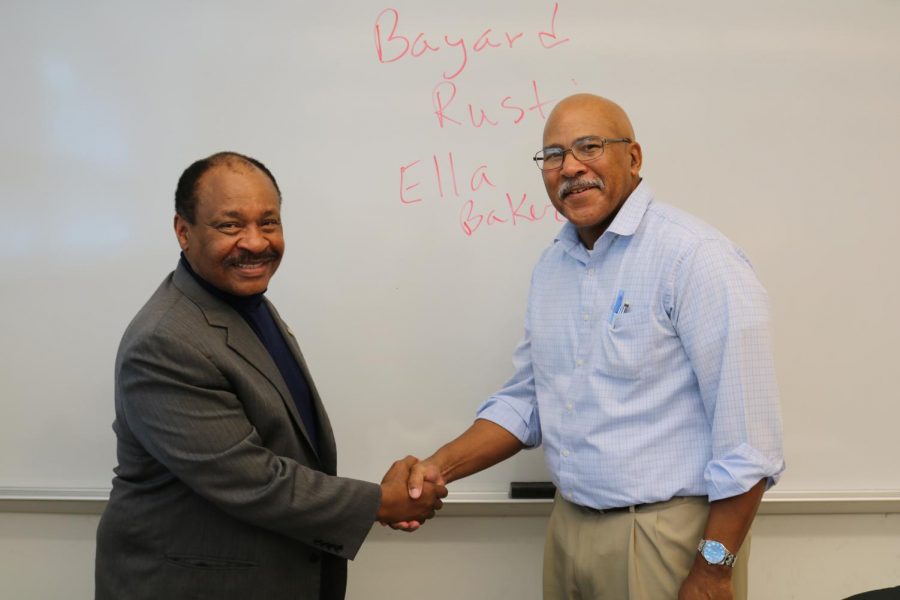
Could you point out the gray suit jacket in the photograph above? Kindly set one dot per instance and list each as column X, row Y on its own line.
column 218, row 493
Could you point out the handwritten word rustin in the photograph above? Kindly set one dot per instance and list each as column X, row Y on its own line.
column 509, row 110
column 392, row 46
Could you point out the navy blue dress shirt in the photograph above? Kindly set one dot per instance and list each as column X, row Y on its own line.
column 259, row 317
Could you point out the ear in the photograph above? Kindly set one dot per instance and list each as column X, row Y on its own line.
column 637, row 158
column 182, row 231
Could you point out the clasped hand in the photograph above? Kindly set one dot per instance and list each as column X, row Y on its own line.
column 411, row 492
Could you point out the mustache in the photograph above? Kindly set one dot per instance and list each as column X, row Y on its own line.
column 245, row 257
column 566, row 187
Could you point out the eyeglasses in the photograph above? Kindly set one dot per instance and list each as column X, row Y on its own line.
column 584, row 150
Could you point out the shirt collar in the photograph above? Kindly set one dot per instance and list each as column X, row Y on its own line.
column 632, row 212
column 626, row 222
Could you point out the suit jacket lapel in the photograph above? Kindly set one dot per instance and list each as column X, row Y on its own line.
column 241, row 338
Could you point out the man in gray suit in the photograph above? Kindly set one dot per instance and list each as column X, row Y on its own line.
column 226, row 485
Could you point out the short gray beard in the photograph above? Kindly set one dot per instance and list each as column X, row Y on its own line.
column 569, row 184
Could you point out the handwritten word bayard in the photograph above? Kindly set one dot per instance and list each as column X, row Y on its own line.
column 396, row 46
column 515, row 212
column 444, row 95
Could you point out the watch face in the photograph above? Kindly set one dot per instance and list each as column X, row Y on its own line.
column 714, row 552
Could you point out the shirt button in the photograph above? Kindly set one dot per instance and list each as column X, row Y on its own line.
column 586, row 317
column 569, row 407
column 565, row 452
column 579, row 362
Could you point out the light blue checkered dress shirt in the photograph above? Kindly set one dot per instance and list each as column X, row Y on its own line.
column 646, row 367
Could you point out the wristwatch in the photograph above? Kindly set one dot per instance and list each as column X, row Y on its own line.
column 715, row 553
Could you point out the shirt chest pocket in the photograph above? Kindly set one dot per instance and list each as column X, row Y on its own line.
column 626, row 347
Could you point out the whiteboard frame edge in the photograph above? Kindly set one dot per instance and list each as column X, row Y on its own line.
column 480, row 504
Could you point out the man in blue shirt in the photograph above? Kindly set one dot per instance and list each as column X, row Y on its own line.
column 645, row 370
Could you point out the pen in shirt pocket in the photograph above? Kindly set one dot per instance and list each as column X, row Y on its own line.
column 618, row 307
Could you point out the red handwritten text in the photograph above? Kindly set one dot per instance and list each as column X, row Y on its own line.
column 443, row 99
column 517, row 211
column 449, row 181
column 444, row 174
column 549, row 39
column 392, row 46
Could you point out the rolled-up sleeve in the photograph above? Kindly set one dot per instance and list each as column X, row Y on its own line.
column 514, row 407
column 722, row 317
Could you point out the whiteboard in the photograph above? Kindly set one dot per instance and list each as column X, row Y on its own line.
column 412, row 224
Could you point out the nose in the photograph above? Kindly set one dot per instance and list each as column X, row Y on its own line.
column 253, row 240
column 571, row 166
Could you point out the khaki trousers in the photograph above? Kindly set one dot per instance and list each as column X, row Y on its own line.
column 643, row 553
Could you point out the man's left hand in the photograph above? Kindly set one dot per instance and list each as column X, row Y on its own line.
column 707, row 582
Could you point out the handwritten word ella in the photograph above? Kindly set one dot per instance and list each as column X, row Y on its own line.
column 395, row 46
column 446, row 180
column 444, row 96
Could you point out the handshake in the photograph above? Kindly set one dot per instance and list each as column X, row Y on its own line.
column 411, row 492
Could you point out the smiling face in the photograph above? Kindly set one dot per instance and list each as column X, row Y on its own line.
column 236, row 241
column 590, row 194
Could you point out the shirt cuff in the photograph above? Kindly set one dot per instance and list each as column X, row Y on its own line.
column 506, row 416
column 739, row 470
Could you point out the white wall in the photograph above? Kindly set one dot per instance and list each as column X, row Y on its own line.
column 821, row 557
